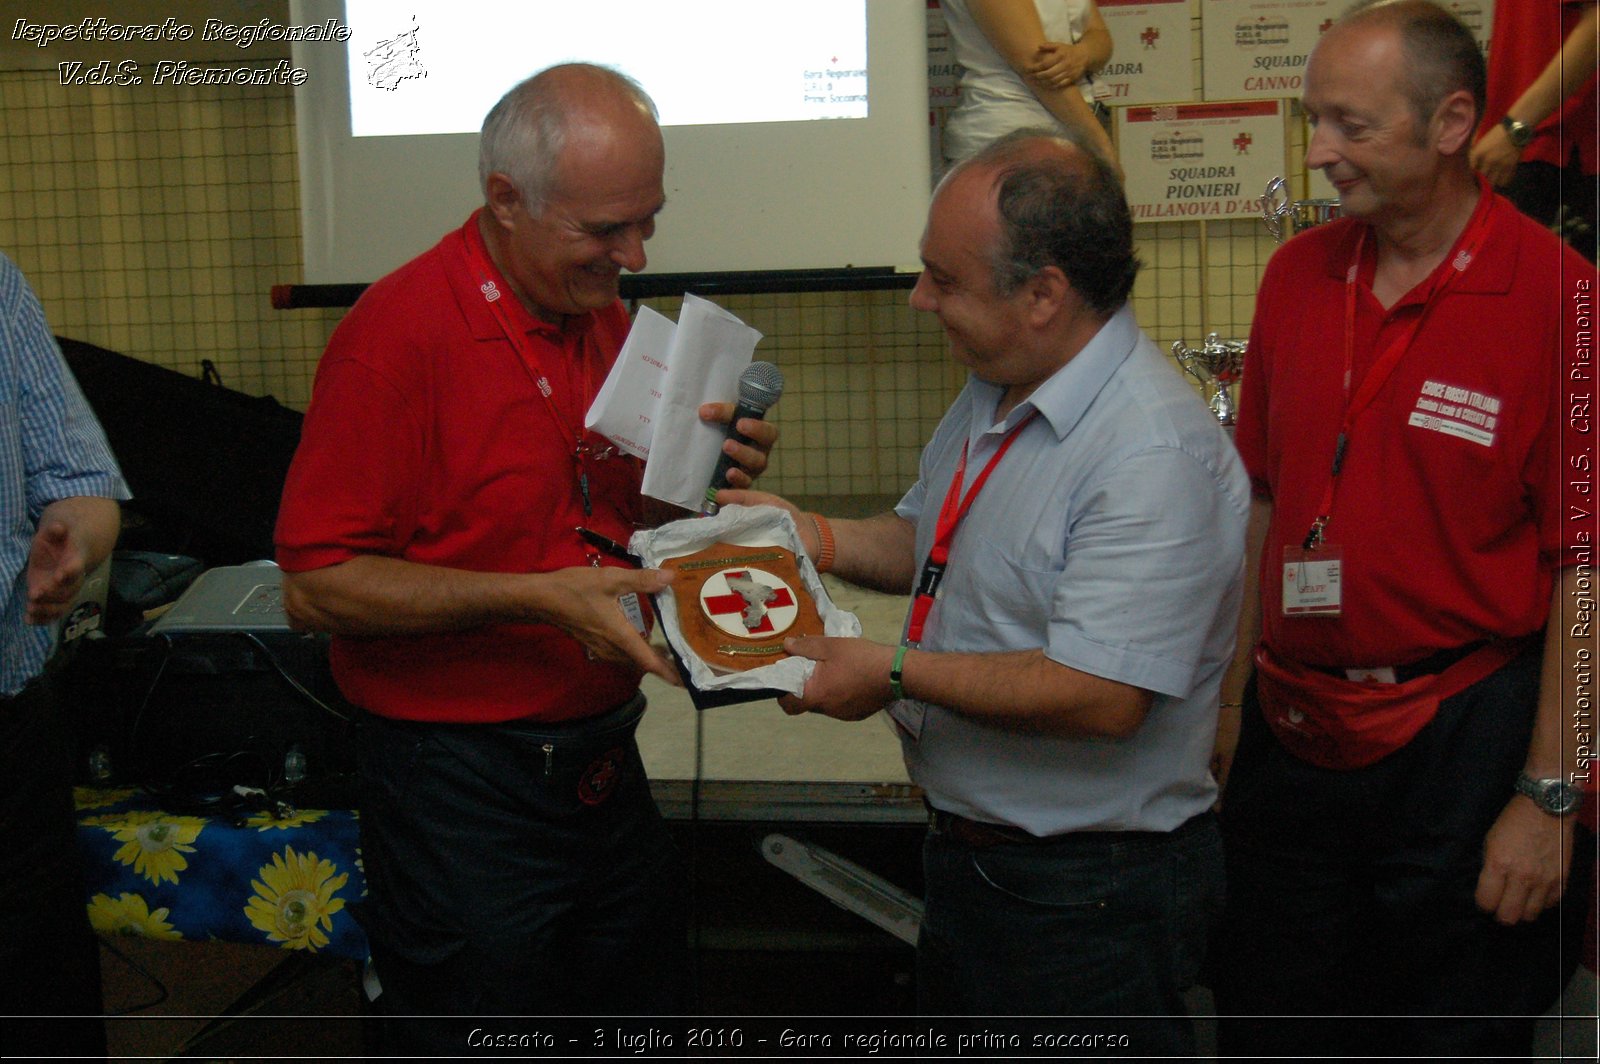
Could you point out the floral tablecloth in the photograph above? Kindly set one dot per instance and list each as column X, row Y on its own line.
column 284, row 880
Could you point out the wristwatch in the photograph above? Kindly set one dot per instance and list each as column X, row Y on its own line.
column 1554, row 796
column 1519, row 133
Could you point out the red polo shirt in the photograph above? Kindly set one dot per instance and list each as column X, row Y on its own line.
column 1449, row 506
column 427, row 440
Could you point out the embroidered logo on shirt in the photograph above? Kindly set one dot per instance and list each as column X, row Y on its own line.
column 1456, row 411
column 1463, row 259
column 490, row 292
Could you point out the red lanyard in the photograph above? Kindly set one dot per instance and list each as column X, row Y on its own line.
column 944, row 532
column 1461, row 257
column 574, row 435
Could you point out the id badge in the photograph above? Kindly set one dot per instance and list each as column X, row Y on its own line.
column 908, row 715
column 1311, row 581
column 634, row 612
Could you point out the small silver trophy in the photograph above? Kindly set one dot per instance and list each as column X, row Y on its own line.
column 1302, row 214
column 1216, row 364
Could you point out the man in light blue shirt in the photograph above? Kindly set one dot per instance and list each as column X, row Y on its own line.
column 59, row 519
column 1057, row 697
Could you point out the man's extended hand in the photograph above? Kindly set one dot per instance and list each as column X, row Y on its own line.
column 851, row 680
column 751, row 457
column 56, row 568
column 808, row 531
column 591, row 614
column 1526, row 856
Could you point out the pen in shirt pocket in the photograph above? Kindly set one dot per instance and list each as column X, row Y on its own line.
column 610, row 546
column 630, row 603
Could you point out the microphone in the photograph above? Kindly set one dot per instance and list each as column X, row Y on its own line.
column 759, row 387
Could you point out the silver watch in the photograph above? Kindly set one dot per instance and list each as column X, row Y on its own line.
column 1554, row 796
column 1519, row 133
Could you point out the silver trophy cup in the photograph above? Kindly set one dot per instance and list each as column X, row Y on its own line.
column 1277, row 207
column 1216, row 364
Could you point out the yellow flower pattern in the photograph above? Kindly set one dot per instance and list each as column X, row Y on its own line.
column 154, row 843
column 155, row 874
column 95, row 798
column 130, row 914
column 294, row 901
column 268, row 822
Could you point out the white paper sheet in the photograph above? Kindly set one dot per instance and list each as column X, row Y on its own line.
column 709, row 351
column 624, row 410
column 660, row 383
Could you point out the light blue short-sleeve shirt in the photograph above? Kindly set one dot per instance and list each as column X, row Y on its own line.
column 1111, row 535
column 51, row 448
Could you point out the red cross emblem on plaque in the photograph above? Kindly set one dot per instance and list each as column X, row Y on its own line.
column 1241, row 143
column 1325, row 24
column 1150, row 36
column 749, row 602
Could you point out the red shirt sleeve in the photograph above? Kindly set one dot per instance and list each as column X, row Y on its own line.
column 351, row 487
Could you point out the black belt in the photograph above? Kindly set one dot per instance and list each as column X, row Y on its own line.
column 977, row 834
column 601, row 727
column 1431, row 665
column 980, row 835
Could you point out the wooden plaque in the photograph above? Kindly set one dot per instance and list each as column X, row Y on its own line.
column 736, row 605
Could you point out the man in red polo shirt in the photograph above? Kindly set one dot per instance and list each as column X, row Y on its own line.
column 1398, row 820
column 516, row 861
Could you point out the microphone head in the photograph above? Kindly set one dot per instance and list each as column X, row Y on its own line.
column 760, row 385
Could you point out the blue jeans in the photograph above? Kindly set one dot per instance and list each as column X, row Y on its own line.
column 1109, row 924
column 516, row 869
column 1351, row 927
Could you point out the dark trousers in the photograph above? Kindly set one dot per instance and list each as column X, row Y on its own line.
column 1350, row 928
column 1098, row 924
column 1561, row 196
column 49, row 956
column 515, row 870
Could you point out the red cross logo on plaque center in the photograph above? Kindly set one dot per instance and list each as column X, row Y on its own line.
column 1241, row 143
column 749, row 602
column 1150, row 36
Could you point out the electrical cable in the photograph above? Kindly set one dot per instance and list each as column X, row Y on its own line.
column 162, row 993
column 296, row 685
column 211, row 784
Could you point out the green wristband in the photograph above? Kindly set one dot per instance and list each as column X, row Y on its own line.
column 895, row 674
